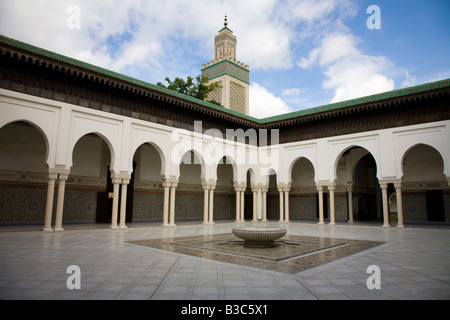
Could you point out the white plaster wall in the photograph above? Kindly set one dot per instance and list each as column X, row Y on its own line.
column 62, row 125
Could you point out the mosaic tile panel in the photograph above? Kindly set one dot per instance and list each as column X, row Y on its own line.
column 291, row 254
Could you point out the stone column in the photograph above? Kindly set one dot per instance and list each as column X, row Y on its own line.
column 280, row 190
column 398, row 191
column 172, row 204
column 350, row 202
column 60, row 201
column 384, row 194
column 320, row 190
column 115, row 208
column 49, row 204
column 166, row 186
column 286, row 204
column 205, row 203
column 255, row 203
column 123, row 203
column 242, row 204
column 211, row 204
column 238, row 205
column 264, row 203
column 331, row 189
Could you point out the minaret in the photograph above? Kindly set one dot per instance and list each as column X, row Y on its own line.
column 231, row 74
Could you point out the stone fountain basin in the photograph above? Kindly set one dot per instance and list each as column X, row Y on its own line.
column 259, row 237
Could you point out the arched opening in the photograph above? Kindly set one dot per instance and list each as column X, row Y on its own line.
column 367, row 190
column 273, row 199
column 147, row 188
column 303, row 197
column 224, row 194
column 249, row 205
column 23, row 174
column 86, row 195
column 358, row 193
column 189, row 200
column 425, row 189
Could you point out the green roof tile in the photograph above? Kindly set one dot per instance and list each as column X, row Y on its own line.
column 334, row 106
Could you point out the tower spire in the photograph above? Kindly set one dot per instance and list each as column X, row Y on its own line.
column 226, row 21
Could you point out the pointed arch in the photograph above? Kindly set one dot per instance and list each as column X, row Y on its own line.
column 104, row 138
column 42, row 133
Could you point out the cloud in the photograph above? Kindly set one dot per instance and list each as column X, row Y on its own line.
column 349, row 72
column 291, row 92
column 157, row 28
column 265, row 104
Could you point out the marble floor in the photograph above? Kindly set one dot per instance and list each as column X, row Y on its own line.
column 414, row 264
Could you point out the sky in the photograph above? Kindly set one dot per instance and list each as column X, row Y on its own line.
column 301, row 53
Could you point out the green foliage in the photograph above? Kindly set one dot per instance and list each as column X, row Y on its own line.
column 200, row 89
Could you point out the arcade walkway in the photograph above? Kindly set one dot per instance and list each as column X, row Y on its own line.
column 414, row 263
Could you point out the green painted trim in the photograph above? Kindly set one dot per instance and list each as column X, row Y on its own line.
column 225, row 60
column 226, row 28
column 92, row 68
column 368, row 99
column 227, row 73
column 334, row 106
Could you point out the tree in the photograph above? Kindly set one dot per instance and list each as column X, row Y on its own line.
column 199, row 90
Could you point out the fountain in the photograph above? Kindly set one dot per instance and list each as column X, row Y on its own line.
column 259, row 237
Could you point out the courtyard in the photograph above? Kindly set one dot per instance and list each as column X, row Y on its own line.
column 414, row 264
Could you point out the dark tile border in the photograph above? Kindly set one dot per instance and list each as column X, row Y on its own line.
column 293, row 253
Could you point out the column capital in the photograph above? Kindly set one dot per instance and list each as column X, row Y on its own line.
column 116, row 180
column 166, row 184
column 63, row 176
column 52, row 176
column 383, row 184
column 398, row 184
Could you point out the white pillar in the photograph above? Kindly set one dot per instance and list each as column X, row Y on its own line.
column 60, row 201
column 238, row 205
column 384, row 194
column 211, row 204
column 280, row 190
column 205, row 203
column 172, row 205
column 115, row 208
column 350, row 203
column 123, row 203
column 166, row 186
column 286, row 204
column 320, row 190
column 49, row 204
column 331, row 188
column 255, row 203
column 398, row 190
column 242, row 205
column 259, row 214
column 264, row 204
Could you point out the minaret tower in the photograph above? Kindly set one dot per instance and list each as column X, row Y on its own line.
column 232, row 75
